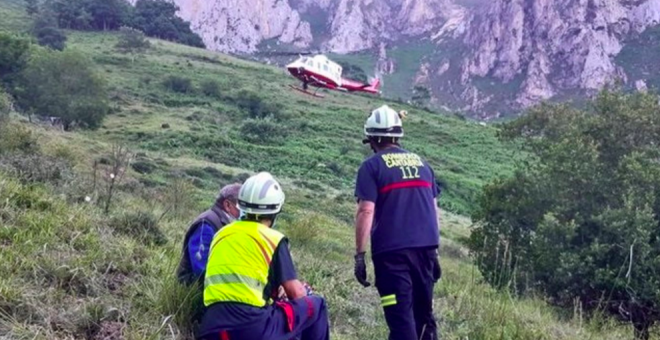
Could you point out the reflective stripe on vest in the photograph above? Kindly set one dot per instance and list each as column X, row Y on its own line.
column 238, row 265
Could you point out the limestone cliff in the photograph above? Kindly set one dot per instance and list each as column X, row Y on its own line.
column 486, row 56
column 240, row 25
column 553, row 45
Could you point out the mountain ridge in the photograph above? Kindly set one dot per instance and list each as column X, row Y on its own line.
column 484, row 58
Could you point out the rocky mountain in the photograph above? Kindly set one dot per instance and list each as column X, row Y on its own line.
column 486, row 57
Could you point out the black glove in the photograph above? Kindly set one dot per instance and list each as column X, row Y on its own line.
column 437, row 271
column 360, row 270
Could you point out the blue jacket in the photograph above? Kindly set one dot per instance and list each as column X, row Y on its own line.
column 197, row 243
column 199, row 246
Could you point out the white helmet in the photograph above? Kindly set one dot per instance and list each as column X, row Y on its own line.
column 384, row 122
column 261, row 195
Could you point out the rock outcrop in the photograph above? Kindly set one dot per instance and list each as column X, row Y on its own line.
column 240, row 25
column 553, row 44
column 528, row 50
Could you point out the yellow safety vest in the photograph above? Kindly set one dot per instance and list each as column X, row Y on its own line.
column 238, row 264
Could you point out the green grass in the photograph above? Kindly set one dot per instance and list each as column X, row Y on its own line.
column 70, row 272
column 319, row 139
column 14, row 17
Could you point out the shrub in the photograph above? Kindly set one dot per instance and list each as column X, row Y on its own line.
column 158, row 19
column 143, row 166
column 256, row 107
column 13, row 56
column 132, row 41
column 263, row 131
column 210, row 88
column 17, row 138
column 179, row 198
column 141, row 225
column 178, row 84
column 65, row 85
column 5, row 104
column 32, row 168
column 579, row 220
column 47, row 32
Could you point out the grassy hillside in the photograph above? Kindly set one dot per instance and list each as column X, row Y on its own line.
column 69, row 271
column 316, row 140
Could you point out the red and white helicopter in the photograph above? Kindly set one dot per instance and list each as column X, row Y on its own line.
column 321, row 72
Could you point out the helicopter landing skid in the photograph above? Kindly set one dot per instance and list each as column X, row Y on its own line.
column 313, row 94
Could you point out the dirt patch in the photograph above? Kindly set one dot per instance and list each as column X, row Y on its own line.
column 110, row 330
column 115, row 281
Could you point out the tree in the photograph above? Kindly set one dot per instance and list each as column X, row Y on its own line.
column 13, row 56
column 51, row 37
column 46, row 30
column 132, row 41
column 64, row 85
column 157, row 18
column 32, row 7
column 107, row 14
column 69, row 13
column 421, row 96
column 86, row 14
column 580, row 218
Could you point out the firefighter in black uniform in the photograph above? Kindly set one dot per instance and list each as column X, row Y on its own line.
column 396, row 192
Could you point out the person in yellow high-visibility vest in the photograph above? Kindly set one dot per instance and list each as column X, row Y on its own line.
column 247, row 264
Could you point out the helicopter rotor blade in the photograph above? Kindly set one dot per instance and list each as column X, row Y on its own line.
column 284, row 53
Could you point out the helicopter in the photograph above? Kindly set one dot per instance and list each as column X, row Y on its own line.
column 321, row 72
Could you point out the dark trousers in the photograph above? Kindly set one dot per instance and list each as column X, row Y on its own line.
column 303, row 319
column 405, row 280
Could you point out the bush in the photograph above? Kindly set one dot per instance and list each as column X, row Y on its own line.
column 47, row 32
column 143, row 166
column 132, row 41
column 17, row 138
column 263, row 131
column 65, row 85
column 33, row 168
column 579, row 221
column 141, row 225
column 179, row 198
column 5, row 104
column 158, row 19
column 211, row 88
column 13, row 56
column 256, row 107
column 51, row 37
column 178, row 84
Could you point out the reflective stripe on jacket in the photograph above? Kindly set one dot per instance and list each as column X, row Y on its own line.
column 238, row 265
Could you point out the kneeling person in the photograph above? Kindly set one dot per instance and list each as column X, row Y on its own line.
column 248, row 262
